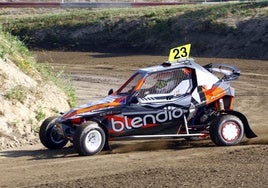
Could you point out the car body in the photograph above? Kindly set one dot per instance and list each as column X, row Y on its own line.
column 178, row 99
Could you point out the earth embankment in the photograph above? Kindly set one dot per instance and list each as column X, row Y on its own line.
column 27, row 94
column 236, row 30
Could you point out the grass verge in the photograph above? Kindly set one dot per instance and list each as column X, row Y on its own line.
column 18, row 53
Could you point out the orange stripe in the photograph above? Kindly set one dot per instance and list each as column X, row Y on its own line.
column 141, row 81
column 98, row 106
column 214, row 94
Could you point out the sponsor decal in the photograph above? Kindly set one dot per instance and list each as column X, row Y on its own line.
column 119, row 123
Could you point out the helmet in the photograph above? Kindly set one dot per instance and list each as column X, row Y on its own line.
column 165, row 82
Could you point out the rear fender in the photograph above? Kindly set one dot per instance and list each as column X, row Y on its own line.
column 248, row 132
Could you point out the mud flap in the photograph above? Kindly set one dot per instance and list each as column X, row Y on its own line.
column 248, row 132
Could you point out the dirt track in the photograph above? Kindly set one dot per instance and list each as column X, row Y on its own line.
column 162, row 163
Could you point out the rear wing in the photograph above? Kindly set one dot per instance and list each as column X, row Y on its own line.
column 223, row 71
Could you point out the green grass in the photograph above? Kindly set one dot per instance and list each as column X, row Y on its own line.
column 78, row 17
column 40, row 114
column 17, row 93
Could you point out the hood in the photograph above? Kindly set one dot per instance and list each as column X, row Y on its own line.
column 94, row 107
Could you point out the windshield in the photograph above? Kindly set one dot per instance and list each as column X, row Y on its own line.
column 175, row 82
column 130, row 84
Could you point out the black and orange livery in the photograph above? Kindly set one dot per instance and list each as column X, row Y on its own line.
column 178, row 99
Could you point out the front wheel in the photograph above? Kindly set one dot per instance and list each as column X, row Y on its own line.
column 89, row 139
column 227, row 130
column 49, row 136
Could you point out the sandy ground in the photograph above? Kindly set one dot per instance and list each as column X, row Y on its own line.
column 153, row 163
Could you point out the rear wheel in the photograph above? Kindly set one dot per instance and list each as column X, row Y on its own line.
column 227, row 130
column 49, row 136
column 89, row 139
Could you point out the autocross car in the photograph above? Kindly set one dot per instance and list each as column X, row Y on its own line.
column 179, row 99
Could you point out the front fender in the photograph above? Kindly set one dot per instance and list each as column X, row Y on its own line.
column 248, row 132
column 103, row 125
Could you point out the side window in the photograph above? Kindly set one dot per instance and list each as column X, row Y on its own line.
column 130, row 84
column 174, row 82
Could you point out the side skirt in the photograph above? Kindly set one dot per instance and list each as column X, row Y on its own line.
column 144, row 137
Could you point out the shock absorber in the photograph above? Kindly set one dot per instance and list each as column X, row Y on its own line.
column 221, row 104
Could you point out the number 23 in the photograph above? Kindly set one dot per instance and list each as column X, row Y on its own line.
column 181, row 52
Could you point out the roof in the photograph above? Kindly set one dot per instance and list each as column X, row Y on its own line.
column 172, row 65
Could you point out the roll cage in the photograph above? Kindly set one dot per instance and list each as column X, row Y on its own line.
column 146, row 83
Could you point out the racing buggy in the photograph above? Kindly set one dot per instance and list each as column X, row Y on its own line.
column 179, row 99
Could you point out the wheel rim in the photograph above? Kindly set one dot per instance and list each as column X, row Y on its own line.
column 230, row 131
column 93, row 140
column 55, row 136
